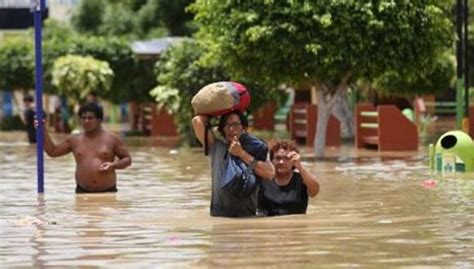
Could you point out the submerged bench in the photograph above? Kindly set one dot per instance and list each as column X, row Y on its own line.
column 384, row 127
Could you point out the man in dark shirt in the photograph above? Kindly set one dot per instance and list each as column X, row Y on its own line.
column 288, row 192
column 29, row 118
column 93, row 98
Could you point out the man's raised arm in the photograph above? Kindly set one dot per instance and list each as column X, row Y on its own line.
column 54, row 150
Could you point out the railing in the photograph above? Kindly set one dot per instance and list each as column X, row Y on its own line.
column 441, row 107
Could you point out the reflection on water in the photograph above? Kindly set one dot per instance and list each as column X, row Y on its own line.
column 372, row 211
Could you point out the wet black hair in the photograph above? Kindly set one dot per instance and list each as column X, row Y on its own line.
column 28, row 98
column 92, row 107
column 223, row 120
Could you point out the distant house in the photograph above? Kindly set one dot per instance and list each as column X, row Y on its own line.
column 145, row 117
column 152, row 49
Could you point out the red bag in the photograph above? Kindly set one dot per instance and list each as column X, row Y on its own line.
column 220, row 98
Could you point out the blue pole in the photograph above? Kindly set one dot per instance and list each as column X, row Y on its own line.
column 39, row 5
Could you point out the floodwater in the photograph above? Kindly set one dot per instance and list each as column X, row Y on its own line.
column 373, row 211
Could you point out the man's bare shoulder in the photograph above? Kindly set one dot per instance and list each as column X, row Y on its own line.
column 112, row 136
column 74, row 138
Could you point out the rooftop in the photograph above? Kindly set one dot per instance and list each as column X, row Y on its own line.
column 155, row 46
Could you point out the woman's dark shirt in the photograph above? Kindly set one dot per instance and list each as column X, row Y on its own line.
column 274, row 200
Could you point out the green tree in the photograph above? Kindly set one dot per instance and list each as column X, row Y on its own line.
column 119, row 55
column 56, row 30
column 174, row 16
column 16, row 64
column 17, row 56
column 118, row 21
column 76, row 76
column 133, row 18
column 89, row 16
column 57, row 42
column 326, row 43
column 180, row 75
column 132, row 79
column 437, row 79
column 154, row 15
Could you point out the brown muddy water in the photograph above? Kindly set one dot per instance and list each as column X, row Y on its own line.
column 373, row 211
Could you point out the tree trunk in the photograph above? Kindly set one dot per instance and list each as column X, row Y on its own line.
column 324, row 111
column 327, row 97
column 343, row 113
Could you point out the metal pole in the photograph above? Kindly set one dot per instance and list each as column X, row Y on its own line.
column 38, row 7
column 460, row 63
column 466, row 58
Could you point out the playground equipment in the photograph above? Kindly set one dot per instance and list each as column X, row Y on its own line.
column 264, row 117
column 407, row 112
column 385, row 127
column 151, row 121
column 302, row 123
column 441, row 107
column 454, row 152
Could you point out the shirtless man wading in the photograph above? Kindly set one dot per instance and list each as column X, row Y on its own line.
column 94, row 150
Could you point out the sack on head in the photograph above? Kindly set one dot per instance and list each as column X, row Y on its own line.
column 220, row 98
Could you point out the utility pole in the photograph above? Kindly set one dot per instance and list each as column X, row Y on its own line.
column 466, row 62
column 37, row 8
column 460, row 63
column 462, row 81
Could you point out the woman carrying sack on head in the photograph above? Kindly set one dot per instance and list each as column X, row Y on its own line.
column 233, row 197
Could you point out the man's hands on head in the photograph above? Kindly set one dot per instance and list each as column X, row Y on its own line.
column 295, row 159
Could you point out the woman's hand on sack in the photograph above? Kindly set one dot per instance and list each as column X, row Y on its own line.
column 235, row 148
